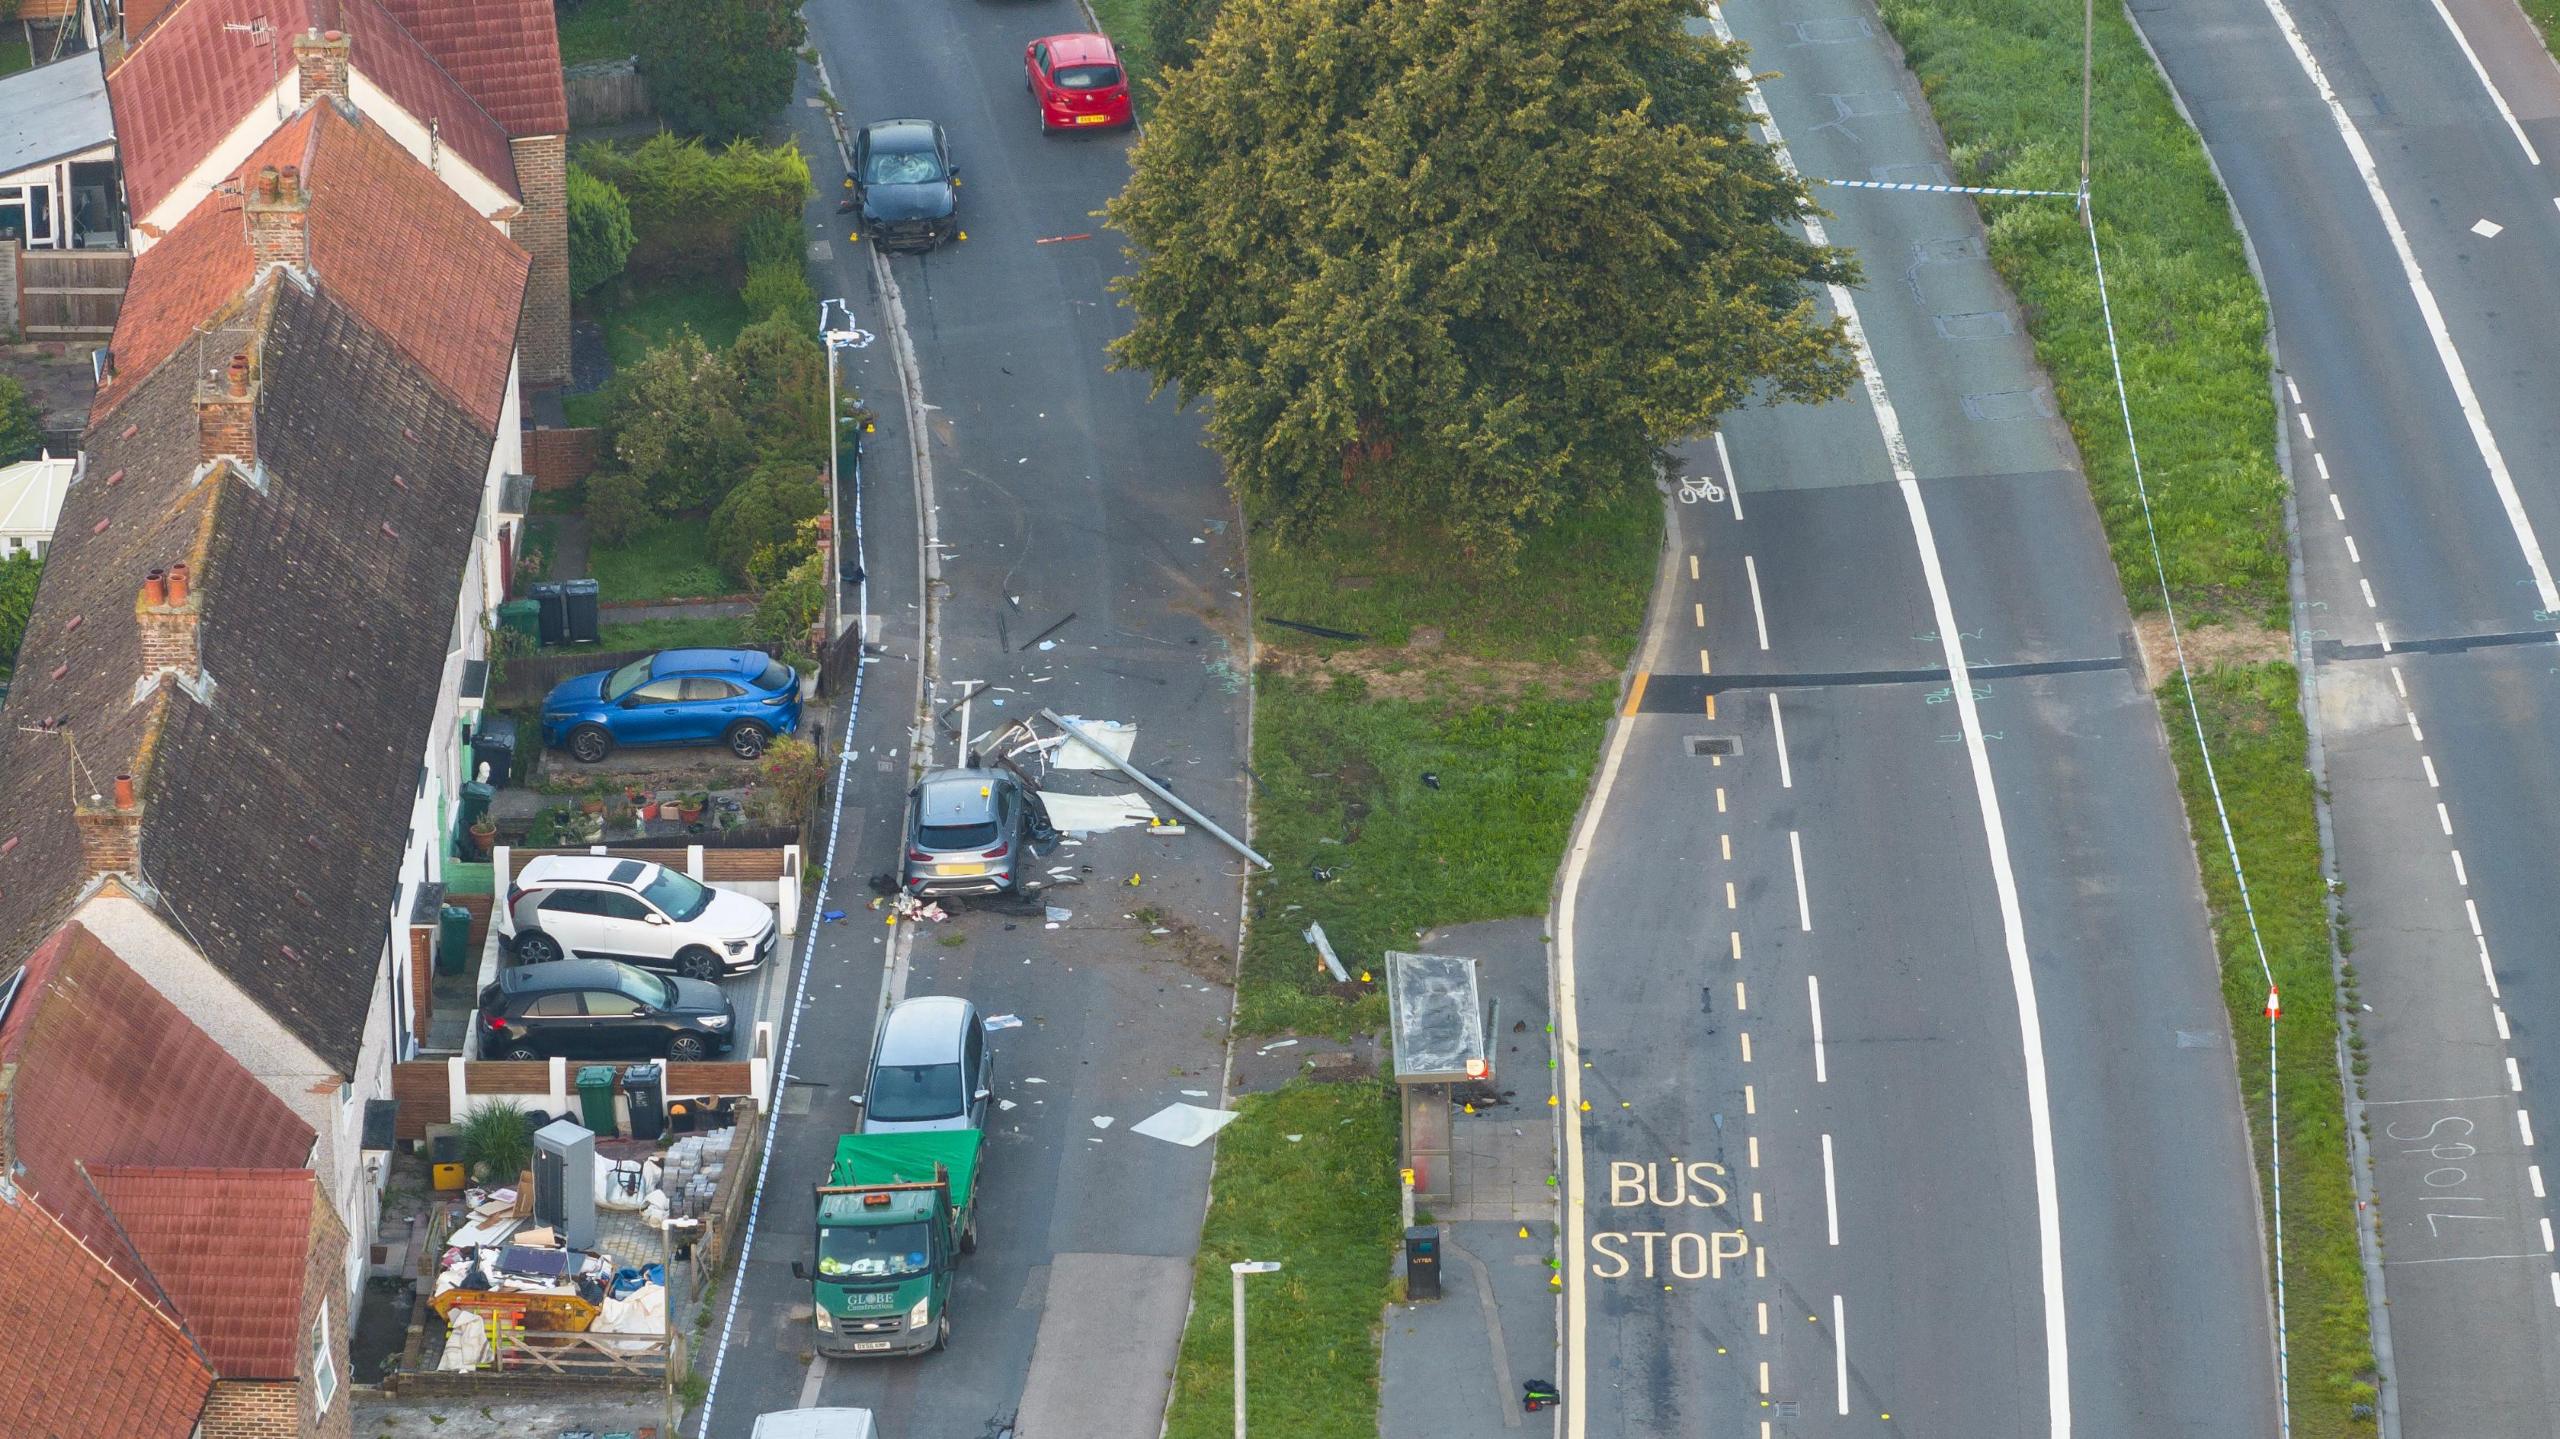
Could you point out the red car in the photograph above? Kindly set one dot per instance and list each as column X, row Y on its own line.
column 1077, row 81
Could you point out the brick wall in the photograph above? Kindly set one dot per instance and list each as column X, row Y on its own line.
column 253, row 1409
column 422, row 977
column 542, row 332
column 324, row 1285
column 558, row 459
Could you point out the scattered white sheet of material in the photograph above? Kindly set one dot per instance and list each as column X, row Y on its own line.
column 1117, row 736
column 1091, row 814
column 1184, row 1124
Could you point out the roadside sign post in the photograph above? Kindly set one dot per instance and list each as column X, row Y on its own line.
column 1240, row 1269
column 837, row 340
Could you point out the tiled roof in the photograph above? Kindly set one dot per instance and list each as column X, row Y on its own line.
column 230, row 1248
column 386, row 238
column 505, row 52
column 189, row 81
column 87, row 1353
column 109, row 1072
column 273, row 827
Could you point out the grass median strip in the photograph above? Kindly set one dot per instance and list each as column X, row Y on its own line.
column 2002, row 76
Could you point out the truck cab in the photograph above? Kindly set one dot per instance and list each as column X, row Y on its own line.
column 893, row 1220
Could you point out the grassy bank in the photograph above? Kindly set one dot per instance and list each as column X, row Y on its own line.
column 669, row 560
column 1499, row 689
column 2001, row 76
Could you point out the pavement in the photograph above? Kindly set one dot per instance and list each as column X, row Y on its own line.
column 2420, row 437
column 1911, row 1098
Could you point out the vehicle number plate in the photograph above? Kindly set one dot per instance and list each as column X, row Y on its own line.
column 964, row 869
column 874, row 1344
column 1091, row 119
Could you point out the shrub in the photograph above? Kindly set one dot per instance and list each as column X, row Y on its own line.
column 762, row 518
column 791, row 777
column 496, row 1143
column 782, row 385
column 675, row 425
column 21, row 427
column 780, row 288
column 1176, row 29
column 689, row 202
column 600, row 236
column 718, row 67
column 19, row 575
column 769, row 236
column 786, row 610
column 618, row 507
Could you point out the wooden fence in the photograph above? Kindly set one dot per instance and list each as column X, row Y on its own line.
column 605, row 92
column 71, row 294
column 433, row 1093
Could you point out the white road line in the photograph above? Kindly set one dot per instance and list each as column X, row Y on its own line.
column 1840, row 1343
column 1693, row 567
column 2504, row 113
column 1830, row 1192
column 2416, row 733
column 1698, row 614
column 2292, row 391
column 2334, row 507
column 2446, row 355
column 2367, row 586
column 2546, row 1235
column 2534, row 1173
column 2487, row 972
column 2444, row 817
column 2398, row 683
column 2305, row 417
column 2352, row 556
column 1821, row 1061
column 1778, row 724
column 1732, row 481
column 809, row 1386
column 2499, row 1013
column 1795, row 851
column 2555, row 1278
column 2460, row 875
column 2524, row 1127
column 2515, row 1076
column 2429, row 762
column 2383, row 635
column 1759, row 616
column 2471, row 911
column 2013, row 925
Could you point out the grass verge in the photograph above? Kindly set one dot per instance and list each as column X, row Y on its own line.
column 668, row 560
column 713, row 632
column 642, row 317
column 2193, row 323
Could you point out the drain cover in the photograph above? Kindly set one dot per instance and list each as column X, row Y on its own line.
column 1703, row 745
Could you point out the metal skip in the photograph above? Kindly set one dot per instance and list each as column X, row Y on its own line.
column 1102, row 747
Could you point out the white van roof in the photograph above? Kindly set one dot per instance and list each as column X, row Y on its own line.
column 816, row 1424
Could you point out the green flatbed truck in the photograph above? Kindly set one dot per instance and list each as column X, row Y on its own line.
column 894, row 1217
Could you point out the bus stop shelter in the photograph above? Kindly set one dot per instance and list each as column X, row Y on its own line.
column 1439, row 1034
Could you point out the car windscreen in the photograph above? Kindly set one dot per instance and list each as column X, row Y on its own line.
column 883, row 1251
column 902, row 167
column 680, row 895
column 1088, row 77
column 906, row 1093
column 626, row 679
column 776, row 674
column 957, row 836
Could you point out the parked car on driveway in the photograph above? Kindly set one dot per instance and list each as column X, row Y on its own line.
column 738, row 698
column 599, row 907
column 597, row 1009
column 965, row 832
column 1077, row 82
column 930, row 1068
column 905, row 184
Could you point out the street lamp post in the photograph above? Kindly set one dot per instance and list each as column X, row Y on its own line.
column 1240, row 1269
column 836, row 339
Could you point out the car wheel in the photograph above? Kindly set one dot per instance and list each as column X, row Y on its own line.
column 535, row 947
column 969, row 1236
column 695, row 962
column 522, row 1052
column 746, row 739
column 685, row 1048
column 589, row 744
column 942, row 1336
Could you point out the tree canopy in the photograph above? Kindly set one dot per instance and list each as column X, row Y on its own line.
column 719, row 68
column 1476, row 258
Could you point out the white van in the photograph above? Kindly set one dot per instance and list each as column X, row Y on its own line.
column 816, row 1424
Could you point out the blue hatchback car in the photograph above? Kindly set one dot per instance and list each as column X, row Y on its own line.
column 738, row 698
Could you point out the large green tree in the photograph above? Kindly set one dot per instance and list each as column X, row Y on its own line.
column 719, row 68
column 1474, row 258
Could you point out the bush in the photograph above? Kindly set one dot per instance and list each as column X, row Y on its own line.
column 600, row 236
column 782, row 386
column 675, row 425
column 769, row 236
column 496, row 1143
column 780, row 289
column 761, row 519
column 690, row 203
column 785, row 612
column 1176, row 29
column 21, row 427
column 718, row 67
column 19, row 575
column 618, row 507
column 792, row 774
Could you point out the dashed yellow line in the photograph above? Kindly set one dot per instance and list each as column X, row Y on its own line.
column 1635, row 692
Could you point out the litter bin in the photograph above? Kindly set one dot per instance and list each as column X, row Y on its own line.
column 645, row 1086
column 595, row 1099
column 1422, row 1262
column 493, row 744
column 522, row 616
column 552, row 620
column 453, row 939
column 584, row 603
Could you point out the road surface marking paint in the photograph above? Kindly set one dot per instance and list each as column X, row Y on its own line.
column 1706, row 666
column 2334, row 507
column 1725, row 841
column 2534, row 1173
column 2292, row 391
column 809, row 1386
column 1719, row 799
column 1764, row 1328
column 2383, row 635
column 2471, row 911
column 1741, row 996
column 2446, row 354
column 2499, row 1013
column 1778, row 725
column 1737, row 943
column 1840, row 1350
column 1830, row 1191
column 1693, row 567
column 1635, row 693
column 2515, row 1076
column 2504, row 113
column 2488, row 972
column 1795, row 851
column 2416, row 733
column 1760, row 1262
column 1750, row 1101
column 2398, row 683
column 1759, row 616
column 2448, row 1099
column 2546, row 1235
column 2352, row 556
column 1764, row 1376
column 1732, row 481
column 1746, row 1046
column 2429, row 762
column 1698, row 611
column 1729, row 901
column 2524, row 1127
column 2444, row 817
column 1821, row 1070
column 2057, row 1345
column 1756, row 1216
column 2555, row 1278
column 1711, row 706
column 2460, row 876
column 1755, row 1151
column 2305, row 417
column 2366, row 585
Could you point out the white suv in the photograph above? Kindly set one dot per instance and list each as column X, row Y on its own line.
column 599, row 907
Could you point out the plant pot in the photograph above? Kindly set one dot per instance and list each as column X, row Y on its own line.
column 648, row 810
column 591, row 806
column 692, row 813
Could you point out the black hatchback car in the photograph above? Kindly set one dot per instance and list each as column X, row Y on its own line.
column 600, row 1009
column 905, row 184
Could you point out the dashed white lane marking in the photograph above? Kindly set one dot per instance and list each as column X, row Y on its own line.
column 2546, row 1234
column 2292, row 391
column 2366, row 585
column 2461, row 876
column 2416, row 733
column 2515, row 1076
column 1840, row 1343
column 1795, row 851
column 1821, row 1064
column 1830, row 1192
column 2444, row 818
column 2382, row 634
column 2437, row 331
column 2488, row 974
column 2352, row 556
column 2534, row 1172
column 2398, row 683
column 2489, row 85
column 2524, row 1127
column 2322, row 462
column 1698, row 614
column 1778, row 726
column 1693, row 567
column 1732, row 481
column 2471, row 911
column 1759, row 616
column 2555, row 1276
column 2499, row 1013
column 2487, row 229
column 1764, row 1328
column 2305, row 417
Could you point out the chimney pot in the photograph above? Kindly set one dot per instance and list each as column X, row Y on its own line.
column 267, row 182
column 290, row 183
column 124, row 791
column 155, row 588
column 178, row 584
column 334, row 36
column 235, row 377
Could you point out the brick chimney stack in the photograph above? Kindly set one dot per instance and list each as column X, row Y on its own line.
column 167, row 611
column 321, row 60
column 110, row 831
column 274, row 211
column 227, row 415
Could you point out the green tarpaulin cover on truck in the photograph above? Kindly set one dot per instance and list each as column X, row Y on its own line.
column 909, row 1159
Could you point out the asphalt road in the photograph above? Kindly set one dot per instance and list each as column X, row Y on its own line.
column 1055, row 489
column 1862, row 960
column 2413, row 333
